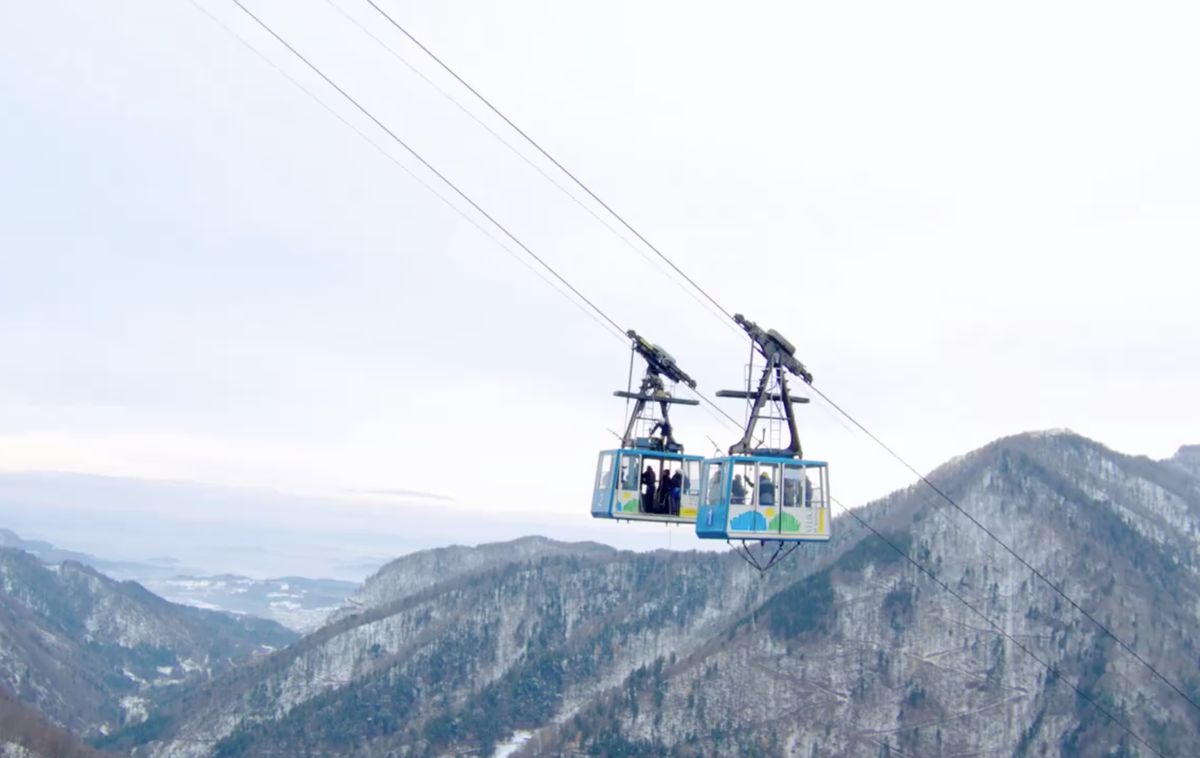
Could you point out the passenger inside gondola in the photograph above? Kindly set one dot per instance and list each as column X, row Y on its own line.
column 766, row 489
column 662, row 500
column 675, row 493
column 791, row 488
column 714, row 484
column 737, row 490
column 791, row 485
column 664, row 487
column 649, row 489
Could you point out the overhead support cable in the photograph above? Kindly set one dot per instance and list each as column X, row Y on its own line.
column 473, row 222
column 427, row 164
column 548, row 156
column 571, row 196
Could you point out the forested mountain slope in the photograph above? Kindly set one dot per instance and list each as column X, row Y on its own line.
column 870, row 657
column 92, row 653
column 413, row 573
column 25, row 733
column 843, row 650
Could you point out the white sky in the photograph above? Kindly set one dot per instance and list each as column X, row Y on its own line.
column 971, row 219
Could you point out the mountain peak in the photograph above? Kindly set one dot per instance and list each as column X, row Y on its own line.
column 417, row 572
column 1187, row 453
column 1061, row 431
column 1187, row 457
column 979, row 459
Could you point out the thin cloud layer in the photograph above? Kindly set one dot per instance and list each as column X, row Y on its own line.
column 970, row 221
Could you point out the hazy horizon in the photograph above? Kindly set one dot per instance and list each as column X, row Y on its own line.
column 970, row 221
column 265, row 534
column 212, row 529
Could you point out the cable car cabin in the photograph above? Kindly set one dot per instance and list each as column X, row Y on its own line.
column 629, row 486
column 764, row 498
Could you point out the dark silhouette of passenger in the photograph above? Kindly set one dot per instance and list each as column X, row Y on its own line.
column 766, row 490
column 663, row 494
column 737, row 490
column 807, row 492
column 676, row 492
column 648, row 490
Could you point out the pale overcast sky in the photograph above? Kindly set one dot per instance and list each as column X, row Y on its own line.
column 971, row 219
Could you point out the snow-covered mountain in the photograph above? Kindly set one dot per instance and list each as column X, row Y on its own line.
column 92, row 653
column 25, row 733
column 297, row 602
column 844, row 650
column 1188, row 459
column 414, row 573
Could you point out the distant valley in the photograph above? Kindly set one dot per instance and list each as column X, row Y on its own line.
column 298, row 603
column 94, row 654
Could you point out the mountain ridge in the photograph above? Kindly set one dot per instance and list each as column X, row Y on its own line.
column 843, row 650
column 414, row 572
column 409, row 595
column 898, row 603
column 299, row 603
column 87, row 650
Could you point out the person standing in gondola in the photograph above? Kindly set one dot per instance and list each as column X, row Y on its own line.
column 648, row 490
column 676, row 493
column 737, row 490
column 766, row 489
